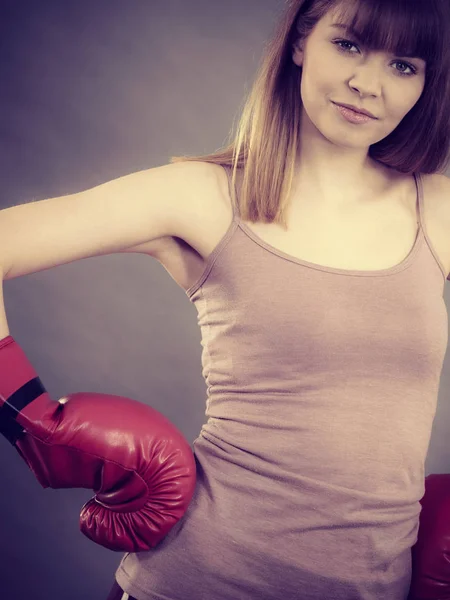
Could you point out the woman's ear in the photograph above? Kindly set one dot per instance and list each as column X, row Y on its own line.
column 297, row 53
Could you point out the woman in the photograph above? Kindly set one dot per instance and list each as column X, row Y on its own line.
column 317, row 269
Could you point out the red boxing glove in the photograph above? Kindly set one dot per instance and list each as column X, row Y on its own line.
column 139, row 465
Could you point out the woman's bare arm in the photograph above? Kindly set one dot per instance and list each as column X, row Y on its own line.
column 113, row 217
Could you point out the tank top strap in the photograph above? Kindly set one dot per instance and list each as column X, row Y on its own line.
column 419, row 202
column 235, row 201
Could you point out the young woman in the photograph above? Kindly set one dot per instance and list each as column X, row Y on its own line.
column 315, row 248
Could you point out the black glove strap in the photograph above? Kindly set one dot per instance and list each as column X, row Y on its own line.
column 11, row 408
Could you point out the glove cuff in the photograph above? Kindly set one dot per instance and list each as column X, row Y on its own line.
column 19, row 387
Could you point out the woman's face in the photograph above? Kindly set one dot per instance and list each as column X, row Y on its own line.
column 336, row 71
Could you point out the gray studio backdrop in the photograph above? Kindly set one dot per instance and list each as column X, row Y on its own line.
column 91, row 91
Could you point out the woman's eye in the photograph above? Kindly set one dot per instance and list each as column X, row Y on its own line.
column 401, row 73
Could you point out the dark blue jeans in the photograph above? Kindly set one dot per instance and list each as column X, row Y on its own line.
column 117, row 592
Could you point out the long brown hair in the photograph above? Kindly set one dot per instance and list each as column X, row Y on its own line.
column 267, row 140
